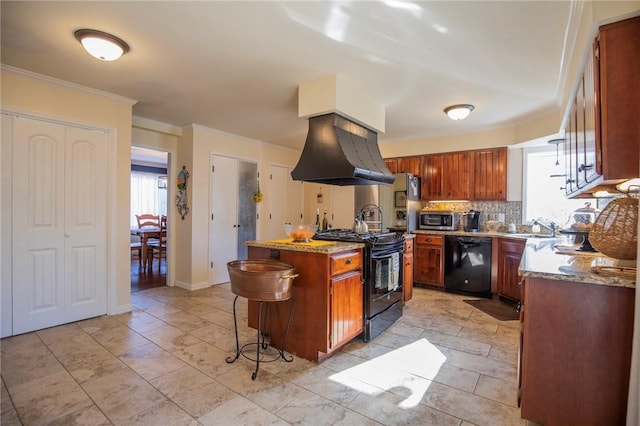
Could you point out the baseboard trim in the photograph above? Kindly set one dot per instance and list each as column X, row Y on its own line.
column 192, row 287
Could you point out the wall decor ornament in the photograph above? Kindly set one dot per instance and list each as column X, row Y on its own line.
column 257, row 197
column 181, row 198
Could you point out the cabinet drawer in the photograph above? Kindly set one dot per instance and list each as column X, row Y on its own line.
column 408, row 246
column 344, row 262
column 432, row 240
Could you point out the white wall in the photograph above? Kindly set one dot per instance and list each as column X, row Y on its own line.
column 196, row 145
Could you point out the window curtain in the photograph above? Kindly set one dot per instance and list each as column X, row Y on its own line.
column 146, row 197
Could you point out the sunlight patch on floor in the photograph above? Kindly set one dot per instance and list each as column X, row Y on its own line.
column 393, row 371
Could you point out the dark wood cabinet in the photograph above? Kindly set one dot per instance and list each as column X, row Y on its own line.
column 429, row 260
column 461, row 175
column 346, row 309
column 602, row 129
column 407, row 280
column 392, row 164
column 490, row 174
column 456, row 175
column 509, row 256
column 446, row 176
column 432, row 171
column 409, row 165
column 575, row 352
column 328, row 294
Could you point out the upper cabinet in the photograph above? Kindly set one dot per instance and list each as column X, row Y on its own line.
column 463, row 175
column 490, row 174
column 392, row 164
column 446, row 176
column 602, row 130
column 409, row 165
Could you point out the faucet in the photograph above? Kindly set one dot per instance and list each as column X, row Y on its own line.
column 551, row 227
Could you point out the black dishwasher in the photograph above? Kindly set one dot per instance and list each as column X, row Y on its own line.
column 467, row 265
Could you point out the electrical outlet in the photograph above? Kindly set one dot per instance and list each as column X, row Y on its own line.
column 501, row 217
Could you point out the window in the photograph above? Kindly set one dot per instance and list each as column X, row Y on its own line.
column 146, row 197
column 542, row 197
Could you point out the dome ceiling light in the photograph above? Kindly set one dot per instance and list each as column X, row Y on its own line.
column 458, row 112
column 101, row 45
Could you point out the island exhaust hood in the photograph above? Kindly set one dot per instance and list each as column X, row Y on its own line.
column 341, row 152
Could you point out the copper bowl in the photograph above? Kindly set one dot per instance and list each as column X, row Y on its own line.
column 263, row 280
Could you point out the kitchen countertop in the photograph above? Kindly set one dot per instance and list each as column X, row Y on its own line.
column 558, row 259
column 543, row 259
column 327, row 247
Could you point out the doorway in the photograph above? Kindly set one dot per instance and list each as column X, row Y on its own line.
column 149, row 195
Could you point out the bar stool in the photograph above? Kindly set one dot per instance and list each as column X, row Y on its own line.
column 263, row 281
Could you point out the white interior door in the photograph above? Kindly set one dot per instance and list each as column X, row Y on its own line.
column 224, row 231
column 58, row 224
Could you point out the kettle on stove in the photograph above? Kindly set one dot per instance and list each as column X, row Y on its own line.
column 360, row 226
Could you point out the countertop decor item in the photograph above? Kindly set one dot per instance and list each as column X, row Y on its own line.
column 492, row 225
column 615, row 231
column 300, row 233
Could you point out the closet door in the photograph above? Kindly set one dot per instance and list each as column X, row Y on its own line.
column 58, row 224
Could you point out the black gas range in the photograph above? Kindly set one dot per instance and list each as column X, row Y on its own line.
column 382, row 276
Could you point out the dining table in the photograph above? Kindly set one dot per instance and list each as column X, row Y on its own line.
column 145, row 233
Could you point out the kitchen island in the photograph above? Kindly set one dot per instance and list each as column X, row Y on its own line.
column 576, row 336
column 327, row 296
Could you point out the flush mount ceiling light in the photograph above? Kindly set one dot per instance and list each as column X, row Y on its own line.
column 458, row 112
column 101, row 45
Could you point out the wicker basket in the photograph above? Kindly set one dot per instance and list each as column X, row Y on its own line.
column 615, row 232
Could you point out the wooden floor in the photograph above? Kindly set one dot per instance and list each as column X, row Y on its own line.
column 151, row 279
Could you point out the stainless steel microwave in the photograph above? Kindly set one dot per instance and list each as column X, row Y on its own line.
column 439, row 220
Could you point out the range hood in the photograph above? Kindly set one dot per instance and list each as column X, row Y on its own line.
column 341, row 152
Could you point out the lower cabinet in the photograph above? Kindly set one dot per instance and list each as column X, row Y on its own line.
column 575, row 354
column 509, row 255
column 407, row 280
column 328, row 307
column 429, row 260
column 346, row 309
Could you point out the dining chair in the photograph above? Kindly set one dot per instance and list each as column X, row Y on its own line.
column 151, row 220
column 136, row 247
column 158, row 247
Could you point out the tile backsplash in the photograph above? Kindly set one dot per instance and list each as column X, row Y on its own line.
column 489, row 210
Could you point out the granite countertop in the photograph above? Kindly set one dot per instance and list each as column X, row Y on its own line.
column 546, row 258
column 558, row 259
column 314, row 246
column 473, row 234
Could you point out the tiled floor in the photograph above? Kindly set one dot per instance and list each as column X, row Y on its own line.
column 443, row 363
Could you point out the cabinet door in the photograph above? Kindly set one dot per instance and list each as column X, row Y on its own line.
column 592, row 168
column 431, row 185
column 409, row 165
column 571, row 151
column 392, row 164
column 509, row 256
column 346, row 309
column 619, row 62
column 456, row 176
column 407, row 284
column 490, row 174
column 580, row 136
column 428, row 265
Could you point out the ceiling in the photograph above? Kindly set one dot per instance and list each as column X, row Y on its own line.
column 236, row 66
